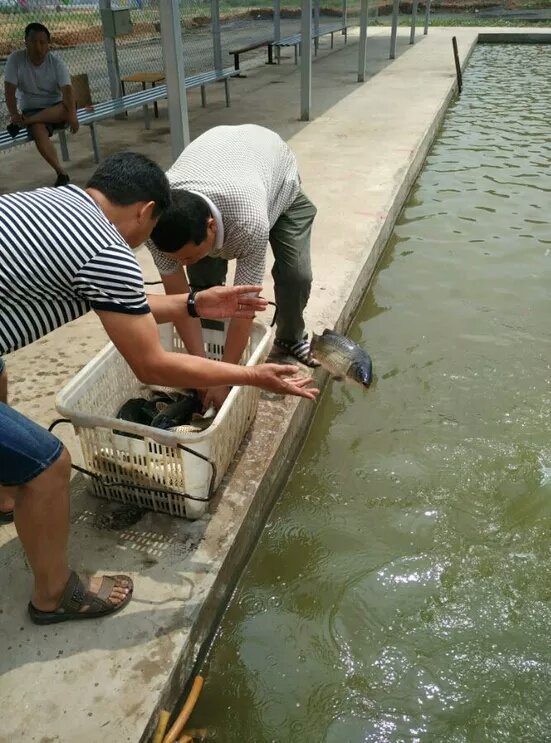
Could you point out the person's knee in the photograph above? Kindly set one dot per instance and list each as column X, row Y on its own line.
column 62, row 465
column 59, row 471
column 39, row 132
column 298, row 279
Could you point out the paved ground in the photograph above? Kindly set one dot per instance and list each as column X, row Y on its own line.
column 358, row 158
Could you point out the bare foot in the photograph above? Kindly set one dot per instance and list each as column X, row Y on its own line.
column 121, row 587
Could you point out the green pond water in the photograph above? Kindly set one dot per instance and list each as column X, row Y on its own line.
column 401, row 590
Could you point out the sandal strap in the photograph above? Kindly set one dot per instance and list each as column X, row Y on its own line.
column 301, row 351
column 77, row 594
column 74, row 595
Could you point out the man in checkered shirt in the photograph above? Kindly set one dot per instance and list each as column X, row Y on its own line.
column 235, row 189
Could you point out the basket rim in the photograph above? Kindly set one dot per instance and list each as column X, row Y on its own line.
column 164, row 437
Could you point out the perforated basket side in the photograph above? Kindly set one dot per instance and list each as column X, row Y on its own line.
column 141, row 463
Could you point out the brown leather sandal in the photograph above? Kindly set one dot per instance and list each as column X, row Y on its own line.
column 78, row 602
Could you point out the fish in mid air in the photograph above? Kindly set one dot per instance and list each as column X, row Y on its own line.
column 341, row 357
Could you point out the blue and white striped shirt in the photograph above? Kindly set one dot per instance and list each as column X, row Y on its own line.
column 60, row 257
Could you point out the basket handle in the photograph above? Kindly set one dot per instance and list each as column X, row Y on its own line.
column 158, row 435
column 145, row 487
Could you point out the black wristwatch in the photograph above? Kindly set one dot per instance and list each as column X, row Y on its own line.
column 191, row 305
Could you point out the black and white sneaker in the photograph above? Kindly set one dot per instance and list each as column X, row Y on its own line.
column 299, row 350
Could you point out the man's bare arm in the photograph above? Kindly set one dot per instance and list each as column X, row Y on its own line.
column 11, row 102
column 137, row 339
column 70, row 105
column 188, row 328
column 236, row 341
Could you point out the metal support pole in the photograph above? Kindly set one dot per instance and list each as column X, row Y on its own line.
column 316, row 24
column 413, row 21
column 427, row 14
column 277, row 26
column 362, row 54
column 344, row 12
column 306, row 60
column 173, row 55
column 63, row 145
column 394, row 30
column 216, row 34
column 112, row 59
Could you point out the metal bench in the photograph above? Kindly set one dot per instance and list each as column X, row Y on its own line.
column 109, row 109
column 7, row 142
column 91, row 115
column 214, row 76
column 249, row 48
column 296, row 39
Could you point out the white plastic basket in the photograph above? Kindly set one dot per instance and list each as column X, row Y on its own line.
column 130, row 469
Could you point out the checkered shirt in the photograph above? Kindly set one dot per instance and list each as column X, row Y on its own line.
column 251, row 175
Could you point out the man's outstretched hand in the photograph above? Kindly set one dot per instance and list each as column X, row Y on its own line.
column 229, row 301
column 282, row 378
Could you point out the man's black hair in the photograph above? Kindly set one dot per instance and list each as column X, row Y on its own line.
column 185, row 221
column 128, row 177
column 38, row 27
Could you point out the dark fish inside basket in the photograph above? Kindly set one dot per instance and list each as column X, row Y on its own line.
column 163, row 410
column 342, row 358
column 178, row 413
column 134, row 410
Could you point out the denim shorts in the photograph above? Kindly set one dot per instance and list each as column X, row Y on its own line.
column 26, row 449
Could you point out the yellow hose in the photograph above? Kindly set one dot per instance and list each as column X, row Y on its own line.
column 200, row 733
column 187, row 709
column 164, row 717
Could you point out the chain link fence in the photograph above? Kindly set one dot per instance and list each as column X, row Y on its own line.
column 77, row 34
column 77, row 37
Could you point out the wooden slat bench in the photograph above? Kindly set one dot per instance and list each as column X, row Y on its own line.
column 249, row 48
column 296, row 39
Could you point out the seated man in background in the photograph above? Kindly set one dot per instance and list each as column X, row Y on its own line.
column 41, row 83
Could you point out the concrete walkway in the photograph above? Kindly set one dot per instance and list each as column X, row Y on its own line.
column 105, row 680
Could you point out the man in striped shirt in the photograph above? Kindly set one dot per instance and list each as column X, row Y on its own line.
column 235, row 189
column 64, row 251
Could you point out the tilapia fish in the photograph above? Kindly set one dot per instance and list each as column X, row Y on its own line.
column 178, row 413
column 342, row 358
column 162, row 410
